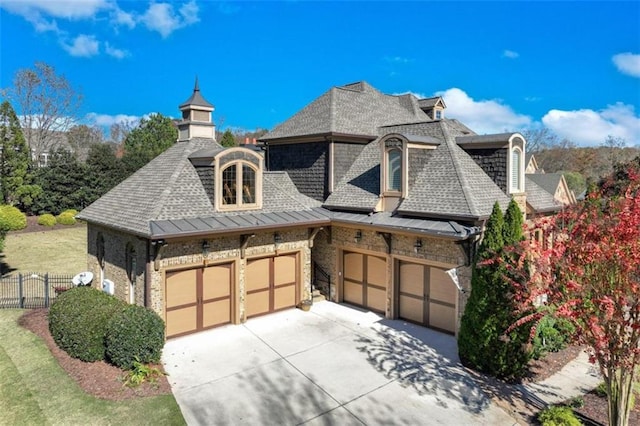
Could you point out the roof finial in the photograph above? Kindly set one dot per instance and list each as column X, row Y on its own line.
column 197, row 86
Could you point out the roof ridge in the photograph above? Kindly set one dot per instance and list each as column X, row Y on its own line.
column 452, row 145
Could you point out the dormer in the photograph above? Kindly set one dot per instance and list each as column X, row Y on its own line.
column 402, row 155
column 236, row 174
column 197, row 121
column 434, row 107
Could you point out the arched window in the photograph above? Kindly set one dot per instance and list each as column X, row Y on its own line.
column 130, row 260
column 238, row 185
column 394, row 170
column 516, row 170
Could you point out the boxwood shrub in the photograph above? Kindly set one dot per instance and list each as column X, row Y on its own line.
column 66, row 218
column 78, row 321
column 134, row 334
column 46, row 219
column 558, row 416
column 12, row 218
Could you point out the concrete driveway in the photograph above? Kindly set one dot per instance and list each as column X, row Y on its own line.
column 334, row 365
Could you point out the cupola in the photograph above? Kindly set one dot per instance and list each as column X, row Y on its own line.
column 197, row 119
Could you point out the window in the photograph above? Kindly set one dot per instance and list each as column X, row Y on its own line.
column 130, row 260
column 516, row 170
column 438, row 114
column 394, row 170
column 238, row 185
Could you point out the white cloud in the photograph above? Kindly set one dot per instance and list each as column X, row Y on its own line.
column 161, row 17
column 106, row 120
column 627, row 63
column 121, row 18
column 82, row 46
column 397, row 59
column 510, row 54
column 115, row 52
column 66, row 9
column 483, row 116
column 588, row 127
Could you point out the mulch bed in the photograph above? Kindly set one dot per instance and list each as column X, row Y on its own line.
column 32, row 226
column 99, row 379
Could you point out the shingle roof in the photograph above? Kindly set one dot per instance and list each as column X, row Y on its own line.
column 355, row 109
column 169, row 188
column 196, row 98
column 538, row 198
column 483, row 139
column 547, row 181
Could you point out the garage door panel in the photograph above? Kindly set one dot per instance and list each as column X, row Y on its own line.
column 257, row 303
column 376, row 299
column 442, row 317
column 285, row 270
column 353, row 292
column 376, row 271
column 284, row 297
column 412, row 279
column 216, row 313
column 181, row 288
column 353, row 266
column 412, row 308
column 181, row 321
column 257, row 274
column 441, row 286
column 216, row 282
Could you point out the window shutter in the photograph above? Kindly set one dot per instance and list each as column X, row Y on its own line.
column 515, row 169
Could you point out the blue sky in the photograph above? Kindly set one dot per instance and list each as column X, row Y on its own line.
column 571, row 66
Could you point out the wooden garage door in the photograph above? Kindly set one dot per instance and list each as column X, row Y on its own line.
column 427, row 296
column 365, row 281
column 271, row 284
column 198, row 299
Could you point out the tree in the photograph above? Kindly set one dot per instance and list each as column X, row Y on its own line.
column 540, row 139
column 228, row 139
column 63, row 184
column 489, row 310
column 15, row 176
column 614, row 145
column 48, row 105
column 81, row 138
column 589, row 275
column 151, row 137
column 104, row 171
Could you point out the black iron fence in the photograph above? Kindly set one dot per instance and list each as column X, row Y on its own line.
column 321, row 280
column 32, row 290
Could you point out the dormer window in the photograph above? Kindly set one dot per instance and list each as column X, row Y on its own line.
column 238, row 180
column 394, row 170
column 438, row 114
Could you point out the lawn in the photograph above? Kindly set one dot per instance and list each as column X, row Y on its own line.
column 60, row 251
column 34, row 389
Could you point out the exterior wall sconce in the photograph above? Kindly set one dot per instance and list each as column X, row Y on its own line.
column 277, row 238
column 205, row 248
column 358, row 236
column 418, row 245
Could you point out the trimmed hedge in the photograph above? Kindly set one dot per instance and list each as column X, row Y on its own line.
column 78, row 321
column 72, row 212
column 558, row 416
column 12, row 218
column 134, row 334
column 66, row 218
column 46, row 219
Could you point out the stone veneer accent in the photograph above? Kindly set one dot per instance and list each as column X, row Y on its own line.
column 186, row 253
column 436, row 252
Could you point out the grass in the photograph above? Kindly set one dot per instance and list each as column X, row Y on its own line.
column 35, row 390
column 60, row 251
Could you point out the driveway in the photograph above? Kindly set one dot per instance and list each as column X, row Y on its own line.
column 334, row 365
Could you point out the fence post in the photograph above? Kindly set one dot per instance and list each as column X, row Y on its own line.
column 20, row 292
column 46, row 290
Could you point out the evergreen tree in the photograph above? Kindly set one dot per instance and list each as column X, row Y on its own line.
column 15, row 178
column 64, row 184
column 490, row 311
column 228, row 139
column 151, row 138
column 104, row 171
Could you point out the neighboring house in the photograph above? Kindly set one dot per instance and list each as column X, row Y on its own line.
column 378, row 192
column 552, row 183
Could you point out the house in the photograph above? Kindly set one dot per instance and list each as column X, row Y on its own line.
column 379, row 194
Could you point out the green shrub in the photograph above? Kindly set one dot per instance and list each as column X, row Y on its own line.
column 12, row 218
column 552, row 335
column 134, row 334
column 78, row 321
column 558, row 416
column 65, row 218
column 601, row 390
column 141, row 373
column 72, row 212
column 46, row 219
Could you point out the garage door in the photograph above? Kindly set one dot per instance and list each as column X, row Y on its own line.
column 427, row 296
column 198, row 299
column 271, row 284
column 365, row 281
